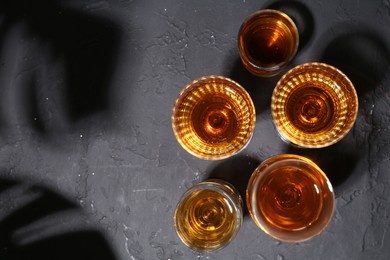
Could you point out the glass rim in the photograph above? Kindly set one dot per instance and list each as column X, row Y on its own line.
column 255, row 179
column 303, row 142
column 280, row 65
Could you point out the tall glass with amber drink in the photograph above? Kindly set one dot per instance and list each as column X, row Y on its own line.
column 314, row 105
column 209, row 215
column 267, row 41
column 290, row 198
column 213, row 117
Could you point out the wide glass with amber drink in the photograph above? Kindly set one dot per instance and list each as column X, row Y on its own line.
column 213, row 117
column 209, row 215
column 267, row 41
column 290, row 198
column 314, row 105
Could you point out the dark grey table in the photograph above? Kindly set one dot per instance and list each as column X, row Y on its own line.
column 89, row 166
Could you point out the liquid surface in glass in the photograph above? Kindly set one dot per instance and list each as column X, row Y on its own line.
column 205, row 219
column 313, row 107
column 291, row 198
column 269, row 43
column 214, row 118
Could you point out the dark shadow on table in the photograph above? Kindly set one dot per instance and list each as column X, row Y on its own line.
column 360, row 52
column 237, row 171
column 72, row 57
column 338, row 161
column 302, row 17
column 22, row 205
column 363, row 54
column 260, row 89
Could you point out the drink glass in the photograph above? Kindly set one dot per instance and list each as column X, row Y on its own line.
column 209, row 215
column 290, row 198
column 267, row 41
column 314, row 105
column 213, row 118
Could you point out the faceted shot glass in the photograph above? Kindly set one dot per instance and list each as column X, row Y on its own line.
column 213, row 118
column 314, row 105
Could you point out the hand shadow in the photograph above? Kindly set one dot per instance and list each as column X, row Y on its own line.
column 37, row 204
column 237, row 171
column 83, row 45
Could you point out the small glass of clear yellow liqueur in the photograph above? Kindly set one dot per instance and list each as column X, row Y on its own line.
column 209, row 215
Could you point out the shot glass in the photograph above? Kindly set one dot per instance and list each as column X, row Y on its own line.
column 209, row 215
column 267, row 41
column 290, row 198
column 314, row 105
column 213, row 118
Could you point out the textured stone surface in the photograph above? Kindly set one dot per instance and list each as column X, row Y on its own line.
column 89, row 166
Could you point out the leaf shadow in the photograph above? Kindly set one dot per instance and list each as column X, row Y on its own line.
column 24, row 205
column 74, row 57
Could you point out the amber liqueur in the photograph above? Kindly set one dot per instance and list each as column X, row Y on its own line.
column 313, row 108
column 314, row 105
column 215, row 118
column 209, row 215
column 291, row 198
column 269, row 45
column 206, row 218
column 268, row 40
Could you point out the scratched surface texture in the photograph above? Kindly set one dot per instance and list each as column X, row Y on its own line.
column 89, row 166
